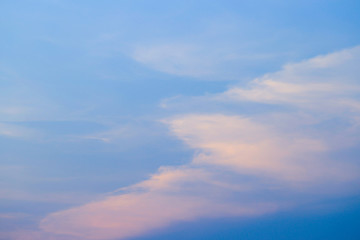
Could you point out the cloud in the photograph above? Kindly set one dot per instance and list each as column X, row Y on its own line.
column 33, row 235
column 11, row 194
column 16, row 131
column 203, row 60
column 247, row 164
column 22, row 100
column 178, row 59
column 324, row 83
column 13, row 215
column 172, row 195
column 109, row 135
column 253, row 148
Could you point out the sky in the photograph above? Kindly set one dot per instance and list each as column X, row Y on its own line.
column 192, row 119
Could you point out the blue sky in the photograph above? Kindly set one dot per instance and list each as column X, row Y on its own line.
column 179, row 119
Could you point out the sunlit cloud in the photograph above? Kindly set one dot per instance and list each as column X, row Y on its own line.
column 326, row 83
column 240, row 157
column 247, row 147
column 172, row 195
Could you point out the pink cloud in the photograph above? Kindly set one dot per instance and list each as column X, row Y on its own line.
column 283, row 153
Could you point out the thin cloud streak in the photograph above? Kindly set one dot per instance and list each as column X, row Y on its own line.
column 324, row 83
column 179, row 194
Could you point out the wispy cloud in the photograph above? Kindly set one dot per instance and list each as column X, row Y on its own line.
column 239, row 158
column 252, row 148
column 16, row 131
column 178, row 59
column 179, row 194
column 202, row 59
column 324, row 83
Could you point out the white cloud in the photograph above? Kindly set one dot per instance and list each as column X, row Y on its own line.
column 326, row 83
column 203, row 60
column 178, row 59
column 252, row 148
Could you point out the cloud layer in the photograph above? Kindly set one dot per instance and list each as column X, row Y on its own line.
column 239, row 159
